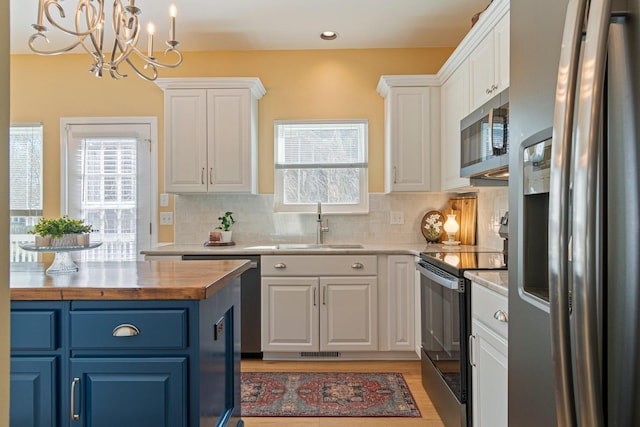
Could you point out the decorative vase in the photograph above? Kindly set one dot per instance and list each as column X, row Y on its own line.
column 83, row 239
column 65, row 241
column 43, row 241
column 225, row 236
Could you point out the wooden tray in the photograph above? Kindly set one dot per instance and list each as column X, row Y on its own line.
column 209, row 243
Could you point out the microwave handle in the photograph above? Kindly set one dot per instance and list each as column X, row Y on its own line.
column 491, row 111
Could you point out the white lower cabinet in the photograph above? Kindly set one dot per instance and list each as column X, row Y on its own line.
column 488, row 357
column 397, row 297
column 306, row 309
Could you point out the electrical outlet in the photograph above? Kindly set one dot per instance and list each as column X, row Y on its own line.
column 397, row 217
column 164, row 200
column 166, row 218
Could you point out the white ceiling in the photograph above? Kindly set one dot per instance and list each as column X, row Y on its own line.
column 285, row 24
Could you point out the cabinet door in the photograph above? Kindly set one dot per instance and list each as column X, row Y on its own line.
column 489, row 377
column 482, row 72
column 34, row 392
column 401, row 302
column 501, row 39
column 454, row 107
column 129, row 392
column 185, row 142
column 348, row 314
column 290, row 314
column 229, row 140
column 408, row 139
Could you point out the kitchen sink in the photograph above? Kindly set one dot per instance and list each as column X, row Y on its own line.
column 303, row 246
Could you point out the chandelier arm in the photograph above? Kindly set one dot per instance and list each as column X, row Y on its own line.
column 140, row 74
column 155, row 62
column 81, row 5
column 62, row 50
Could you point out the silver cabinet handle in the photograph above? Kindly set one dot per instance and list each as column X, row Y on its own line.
column 314, row 297
column 74, row 416
column 501, row 316
column 472, row 360
column 202, row 176
column 357, row 265
column 210, row 175
column 395, row 174
column 324, row 295
column 125, row 330
column 280, row 265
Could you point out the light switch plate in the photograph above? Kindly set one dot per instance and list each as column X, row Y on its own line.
column 164, row 200
column 166, row 218
column 397, row 217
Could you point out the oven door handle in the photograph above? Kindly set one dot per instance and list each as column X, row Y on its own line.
column 449, row 282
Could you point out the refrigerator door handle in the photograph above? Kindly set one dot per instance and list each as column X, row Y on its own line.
column 559, row 212
column 584, row 225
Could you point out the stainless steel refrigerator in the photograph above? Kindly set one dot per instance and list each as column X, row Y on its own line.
column 574, row 187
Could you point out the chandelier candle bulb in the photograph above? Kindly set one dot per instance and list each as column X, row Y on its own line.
column 172, row 21
column 150, row 30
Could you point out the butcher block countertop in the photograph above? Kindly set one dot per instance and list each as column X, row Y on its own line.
column 144, row 280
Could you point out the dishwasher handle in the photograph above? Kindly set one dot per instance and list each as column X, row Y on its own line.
column 440, row 277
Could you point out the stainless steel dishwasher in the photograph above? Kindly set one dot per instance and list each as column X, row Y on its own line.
column 249, row 303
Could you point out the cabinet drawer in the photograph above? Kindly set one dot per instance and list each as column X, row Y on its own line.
column 486, row 306
column 319, row 265
column 138, row 329
column 34, row 330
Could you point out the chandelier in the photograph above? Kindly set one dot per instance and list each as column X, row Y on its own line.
column 86, row 29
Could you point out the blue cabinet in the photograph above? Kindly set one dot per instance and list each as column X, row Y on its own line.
column 129, row 392
column 34, row 394
column 148, row 363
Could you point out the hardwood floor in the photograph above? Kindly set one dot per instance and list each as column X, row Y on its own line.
column 409, row 369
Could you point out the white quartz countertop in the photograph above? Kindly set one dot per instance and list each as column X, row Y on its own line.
column 271, row 248
column 497, row 281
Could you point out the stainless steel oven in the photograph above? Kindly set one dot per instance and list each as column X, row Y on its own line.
column 446, row 325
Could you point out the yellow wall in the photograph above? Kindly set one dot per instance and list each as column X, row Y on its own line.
column 307, row 84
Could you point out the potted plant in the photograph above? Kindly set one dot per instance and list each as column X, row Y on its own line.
column 226, row 221
column 61, row 232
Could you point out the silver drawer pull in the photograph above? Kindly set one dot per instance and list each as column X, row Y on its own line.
column 280, row 265
column 74, row 416
column 357, row 265
column 501, row 316
column 125, row 330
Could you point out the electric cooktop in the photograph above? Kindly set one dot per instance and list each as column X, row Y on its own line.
column 458, row 262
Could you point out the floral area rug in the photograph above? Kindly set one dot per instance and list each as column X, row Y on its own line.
column 295, row 394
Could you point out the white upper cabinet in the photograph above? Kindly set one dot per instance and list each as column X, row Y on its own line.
column 412, row 127
column 489, row 64
column 476, row 71
column 211, row 134
column 454, row 107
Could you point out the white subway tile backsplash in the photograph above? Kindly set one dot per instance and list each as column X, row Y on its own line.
column 196, row 215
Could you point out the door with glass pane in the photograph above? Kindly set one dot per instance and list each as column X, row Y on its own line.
column 107, row 183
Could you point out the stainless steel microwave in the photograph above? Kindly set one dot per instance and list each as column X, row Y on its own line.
column 484, row 142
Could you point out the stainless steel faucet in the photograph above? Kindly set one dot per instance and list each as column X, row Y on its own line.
column 321, row 228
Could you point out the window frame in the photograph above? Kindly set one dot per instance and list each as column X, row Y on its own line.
column 328, row 208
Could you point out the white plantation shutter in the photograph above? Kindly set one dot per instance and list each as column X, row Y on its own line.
column 25, row 187
column 108, row 186
column 321, row 161
column 25, row 169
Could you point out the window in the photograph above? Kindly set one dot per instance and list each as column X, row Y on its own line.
column 25, row 187
column 107, row 181
column 321, row 161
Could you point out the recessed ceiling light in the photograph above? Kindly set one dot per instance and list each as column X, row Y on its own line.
column 328, row 35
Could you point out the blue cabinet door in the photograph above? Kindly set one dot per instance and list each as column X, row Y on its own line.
column 34, row 396
column 129, row 392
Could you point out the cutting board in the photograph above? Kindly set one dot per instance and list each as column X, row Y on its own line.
column 466, row 218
